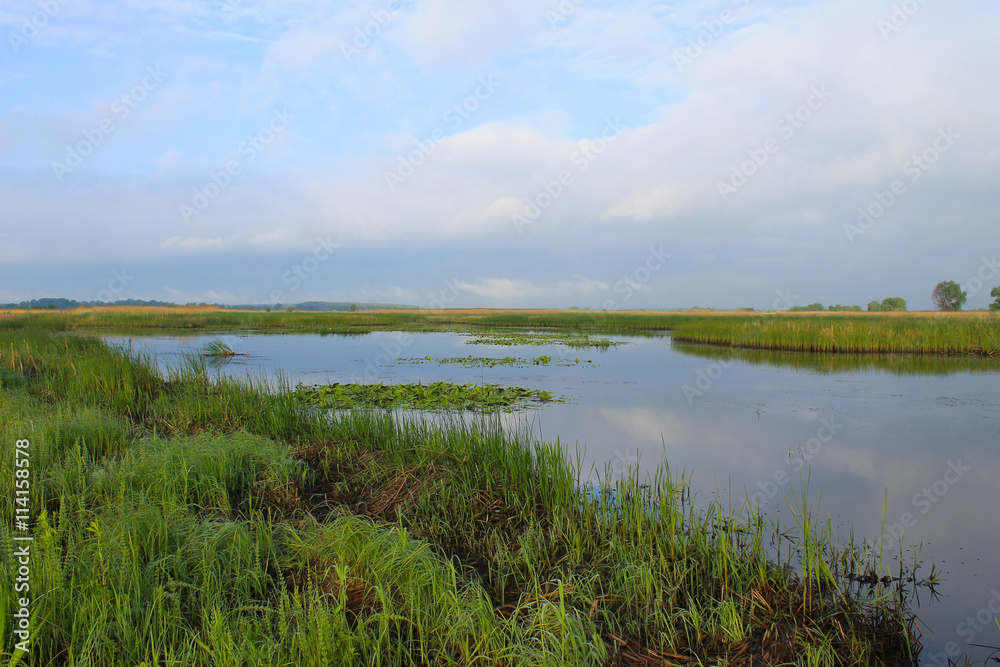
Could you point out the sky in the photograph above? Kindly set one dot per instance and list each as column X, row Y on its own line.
column 525, row 153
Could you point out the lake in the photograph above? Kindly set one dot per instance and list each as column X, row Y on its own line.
column 917, row 437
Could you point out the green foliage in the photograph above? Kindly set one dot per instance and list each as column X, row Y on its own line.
column 811, row 307
column 948, row 295
column 889, row 304
column 434, row 396
column 840, row 308
column 995, row 292
column 217, row 348
column 893, row 303
column 848, row 333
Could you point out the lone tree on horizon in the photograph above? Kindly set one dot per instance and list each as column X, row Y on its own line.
column 948, row 295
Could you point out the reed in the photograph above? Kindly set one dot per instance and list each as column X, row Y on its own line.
column 907, row 334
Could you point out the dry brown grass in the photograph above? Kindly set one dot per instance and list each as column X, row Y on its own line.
column 146, row 310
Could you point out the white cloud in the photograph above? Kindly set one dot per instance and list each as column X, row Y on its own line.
column 514, row 290
column 206, row 296
column 193, row 244
column 658, row 180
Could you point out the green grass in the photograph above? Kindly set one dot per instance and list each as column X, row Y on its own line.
column 217, row 348
column 189, row 520
column 850, row 333
column 201, row 320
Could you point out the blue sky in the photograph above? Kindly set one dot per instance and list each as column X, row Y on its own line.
column 526, row 153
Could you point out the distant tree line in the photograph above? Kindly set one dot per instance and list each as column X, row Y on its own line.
column 314, row 306
column 887, row 305
column 947, row 296
column 813, row 307
column 65, row 304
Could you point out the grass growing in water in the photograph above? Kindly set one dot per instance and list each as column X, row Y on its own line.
column 508, row 338
column 201, row 521
column 492, row 362
column 419, row 396
column 217, row 348
column 854, row 334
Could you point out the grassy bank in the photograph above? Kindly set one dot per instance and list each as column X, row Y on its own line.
column 213, row 319
column 972, row 333
column 192, row 521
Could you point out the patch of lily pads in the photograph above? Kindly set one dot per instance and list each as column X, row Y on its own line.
column 508, row 338
column 419, row 396
column 492, row 362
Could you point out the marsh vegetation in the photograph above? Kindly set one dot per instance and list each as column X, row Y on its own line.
column 182, row 518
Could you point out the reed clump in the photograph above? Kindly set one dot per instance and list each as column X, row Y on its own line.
column 186, row 519
column 906, row 334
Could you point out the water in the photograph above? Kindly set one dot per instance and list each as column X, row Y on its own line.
column 920, row 435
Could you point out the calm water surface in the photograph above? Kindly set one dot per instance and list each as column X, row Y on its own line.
column 922, row 435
